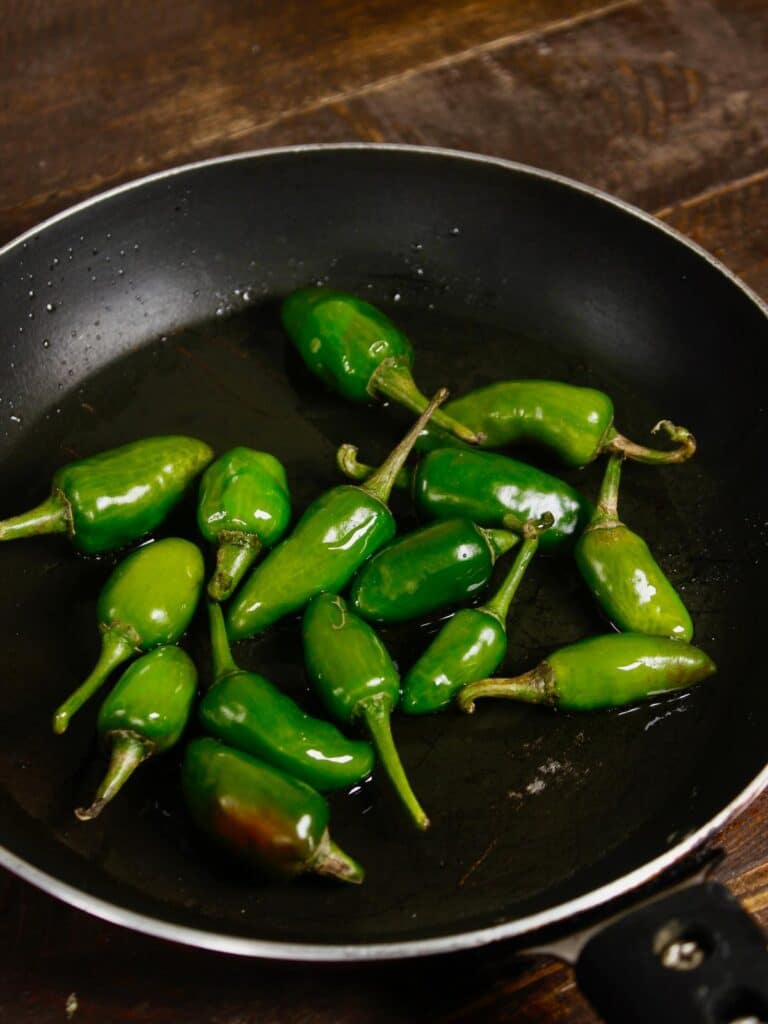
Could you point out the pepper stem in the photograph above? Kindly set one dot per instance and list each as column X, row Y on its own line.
column 223, row 662
column 502, row 599
column 347, row 461
column 393, row 379
column 380, row 483
column 236, row 553
column 534, row 687
column 330, row 859
column 499, row 541
column 683, row 438
column 50, row 516
column 607, row 510
column 127, row 753
column 115, row 649
column 376, row 713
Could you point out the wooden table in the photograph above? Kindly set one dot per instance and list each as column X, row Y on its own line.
column 662, row 103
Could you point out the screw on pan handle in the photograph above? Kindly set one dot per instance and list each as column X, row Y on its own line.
column 694, row 957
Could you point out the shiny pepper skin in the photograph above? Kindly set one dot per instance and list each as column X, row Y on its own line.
column 485, row 487
column 472, row 644
column 108, row 500
column 357, row 680
column 267, row 819
column 244, row 505
column 601, row 672
column 356, row 350
column 337, row 533
column 437, row 566
column 575, row 423
column 244, row 710
column 623, row 575
column 147, row 602
column 144, row 715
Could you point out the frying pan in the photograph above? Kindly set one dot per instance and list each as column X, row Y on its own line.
column 152, row 309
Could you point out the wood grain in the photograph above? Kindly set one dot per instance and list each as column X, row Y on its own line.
column 663, row 102
column 94, row 93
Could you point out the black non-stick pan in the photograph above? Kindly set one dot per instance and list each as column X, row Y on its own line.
column 152, row 309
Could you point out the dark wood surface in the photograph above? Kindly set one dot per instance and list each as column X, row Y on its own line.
column 662, row 103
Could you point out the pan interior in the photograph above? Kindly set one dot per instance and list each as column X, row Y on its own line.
column 161, row 316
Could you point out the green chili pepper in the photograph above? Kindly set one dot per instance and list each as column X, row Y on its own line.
column 623, row 575
column 246, row 711
column 484, row 487
column 437, row 566
column 244, row 506
column 336, row 534
column 473, row 643
column 601, row 672
column 147, row 602
column 356, row 350
column 574, row 422
column 111, row 499
column 145, row 714
column 266, row 818
column 356, row 678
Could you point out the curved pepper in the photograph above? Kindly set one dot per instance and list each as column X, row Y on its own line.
column 111, row 499
column 271, row 821
column 246, row 711
column 434, row 567
column 601, row 672
column 145, row 714
column 336, row 534
column 471, row 644
column 356, row 678
column 244, row 505
column 623, row 575
column 485, row 487
column 147, row 602
column 356, row 350
column 575, row 423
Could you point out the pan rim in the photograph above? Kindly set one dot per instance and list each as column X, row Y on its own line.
column 409, row 948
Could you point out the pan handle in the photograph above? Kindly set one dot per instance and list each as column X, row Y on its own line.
column 695, row 956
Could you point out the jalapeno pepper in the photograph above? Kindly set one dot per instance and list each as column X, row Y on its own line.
column 356, row 350
column 271, row 821
column 145, row 714
column 357, row 679
column 244, row 505
column 111, row 499
column 601, row 672
column 246, row 711
column 575, row 423
column 336, row 534
column 623, row 575
column 484, row 487
column 147, row 602
column 473, row 643
column 437, row 566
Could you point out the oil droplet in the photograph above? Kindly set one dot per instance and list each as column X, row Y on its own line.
column 50, row 307
column 31, row 293
column 455, row 231
column 46, row 342
column 396, row 297
column 417, row 247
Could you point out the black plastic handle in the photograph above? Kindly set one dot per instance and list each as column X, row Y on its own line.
column 695, row 957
